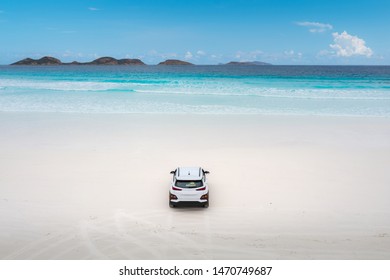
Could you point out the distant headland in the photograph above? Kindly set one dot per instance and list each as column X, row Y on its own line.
column 106, row 60
column 247, row 63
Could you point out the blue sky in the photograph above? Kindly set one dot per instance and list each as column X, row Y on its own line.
column 203, row 32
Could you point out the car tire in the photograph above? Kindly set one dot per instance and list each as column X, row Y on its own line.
column 206, row 205
column 171, row 205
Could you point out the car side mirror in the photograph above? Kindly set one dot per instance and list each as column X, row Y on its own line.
column 206, row 172
column 172, row 172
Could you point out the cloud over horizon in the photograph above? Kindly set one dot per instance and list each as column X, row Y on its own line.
column 188, row 55
column 315, row 27
column 347, row 45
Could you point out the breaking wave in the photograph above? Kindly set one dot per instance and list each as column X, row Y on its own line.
column 182, row 92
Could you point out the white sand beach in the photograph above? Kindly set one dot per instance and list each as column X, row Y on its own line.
column 95, row 186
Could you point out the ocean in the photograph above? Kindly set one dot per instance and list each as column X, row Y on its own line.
column 277, row 90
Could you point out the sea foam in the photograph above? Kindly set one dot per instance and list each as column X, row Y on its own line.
column 205, row 90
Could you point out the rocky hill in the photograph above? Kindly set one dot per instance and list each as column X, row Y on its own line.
column 130, row 61
column 47, row 60
column 175, row 62
column 112, row 61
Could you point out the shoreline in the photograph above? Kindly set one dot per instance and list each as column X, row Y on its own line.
column 230, row 115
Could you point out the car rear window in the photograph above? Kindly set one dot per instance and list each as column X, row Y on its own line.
column 189, row 184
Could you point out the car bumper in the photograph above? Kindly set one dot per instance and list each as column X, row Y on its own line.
column 182, row 200
column 188, row 203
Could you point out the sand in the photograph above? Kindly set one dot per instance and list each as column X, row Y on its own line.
column 95, row 186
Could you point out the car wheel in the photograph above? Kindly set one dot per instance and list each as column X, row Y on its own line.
column 171, row 205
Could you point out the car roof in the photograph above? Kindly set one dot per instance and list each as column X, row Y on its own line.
column 189, row 173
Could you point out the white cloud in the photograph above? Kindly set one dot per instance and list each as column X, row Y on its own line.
column 289, row 53
column 216, row 57
column 200, row 53
column 169, row 55
column 188, row 55
column 93, row 9
column 315, row 27
column 251, row 55
column 69, row 53
column 239, row 54
column 347, row 45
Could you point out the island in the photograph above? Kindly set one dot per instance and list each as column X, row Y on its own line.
column 247, row 63
column 107, row 60
column 48, row 60
column 175, row 62
column 112, row 61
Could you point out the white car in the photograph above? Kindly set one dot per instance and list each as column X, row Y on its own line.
column 189, row 186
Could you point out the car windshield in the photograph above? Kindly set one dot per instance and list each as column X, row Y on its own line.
column 189, row 184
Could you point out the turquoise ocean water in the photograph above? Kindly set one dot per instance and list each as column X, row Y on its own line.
column 280, row 90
